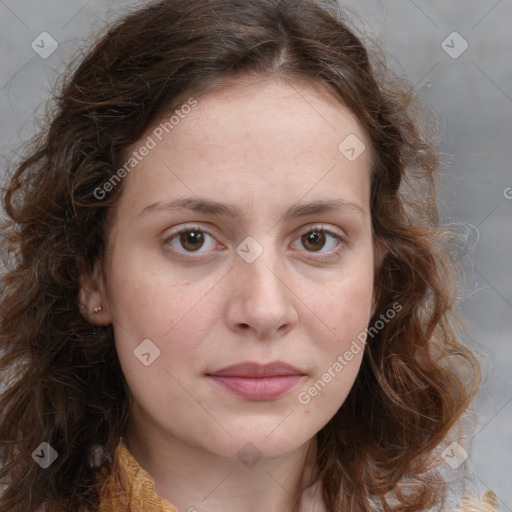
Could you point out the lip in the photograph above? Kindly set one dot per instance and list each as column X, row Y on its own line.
column 254, row 381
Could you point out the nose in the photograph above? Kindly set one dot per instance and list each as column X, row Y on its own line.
column 261, row 299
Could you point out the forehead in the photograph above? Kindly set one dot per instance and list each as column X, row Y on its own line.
column 246, row 107
column 262, row 141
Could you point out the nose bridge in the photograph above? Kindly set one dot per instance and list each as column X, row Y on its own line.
column 262, row 296
column 259, row 263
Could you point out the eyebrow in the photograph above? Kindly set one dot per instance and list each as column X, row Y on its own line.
column 207, row 206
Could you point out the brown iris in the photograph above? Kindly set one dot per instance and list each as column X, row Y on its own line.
column 192, row 240
column 313, row 237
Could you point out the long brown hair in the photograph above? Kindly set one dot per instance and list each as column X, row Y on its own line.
column 63, row 383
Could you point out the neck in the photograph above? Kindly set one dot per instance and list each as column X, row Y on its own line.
column 195, row 480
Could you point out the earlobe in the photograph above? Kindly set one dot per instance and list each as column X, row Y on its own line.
column 93, row 304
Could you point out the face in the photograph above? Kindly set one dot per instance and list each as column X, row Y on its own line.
column 249, row 264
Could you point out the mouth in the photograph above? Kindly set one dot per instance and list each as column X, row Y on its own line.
column 254, row 381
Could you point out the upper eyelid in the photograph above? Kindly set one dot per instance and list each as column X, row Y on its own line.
column 305, row 229
column 323, row 227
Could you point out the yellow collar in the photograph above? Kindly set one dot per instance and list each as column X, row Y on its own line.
column 127, row 486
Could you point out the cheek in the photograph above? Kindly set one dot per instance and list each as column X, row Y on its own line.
column 341, row 305
column 156, row 328
column 338, row 362
column 343, row 310
column 148, row 299
column 161, row 348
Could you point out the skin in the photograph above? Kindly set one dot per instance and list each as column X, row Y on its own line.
column 262, row 145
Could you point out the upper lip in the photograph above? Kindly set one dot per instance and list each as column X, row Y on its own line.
column 252, row 369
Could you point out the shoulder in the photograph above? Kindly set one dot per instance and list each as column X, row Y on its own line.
column 488, row 503
column 469, row 503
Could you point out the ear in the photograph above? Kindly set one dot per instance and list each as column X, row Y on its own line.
column 92, row 295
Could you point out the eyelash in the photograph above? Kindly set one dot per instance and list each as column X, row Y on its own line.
column 312, row 229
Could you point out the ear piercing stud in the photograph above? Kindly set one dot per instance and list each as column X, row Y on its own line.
column 98, row 309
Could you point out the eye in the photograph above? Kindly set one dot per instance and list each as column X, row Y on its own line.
column 317, row 238
column 190, row 239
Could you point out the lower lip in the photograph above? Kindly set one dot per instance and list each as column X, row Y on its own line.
column 258, row 388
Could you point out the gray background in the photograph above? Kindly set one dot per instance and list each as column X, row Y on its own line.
column 471, row 96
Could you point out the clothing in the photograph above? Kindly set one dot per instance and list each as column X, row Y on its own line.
column 128, row 487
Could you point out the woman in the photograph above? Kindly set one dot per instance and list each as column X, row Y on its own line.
column 227, row 286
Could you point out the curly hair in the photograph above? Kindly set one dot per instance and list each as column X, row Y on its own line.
column 63, row 382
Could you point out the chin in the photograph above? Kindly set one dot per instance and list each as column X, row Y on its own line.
column 262, row 442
